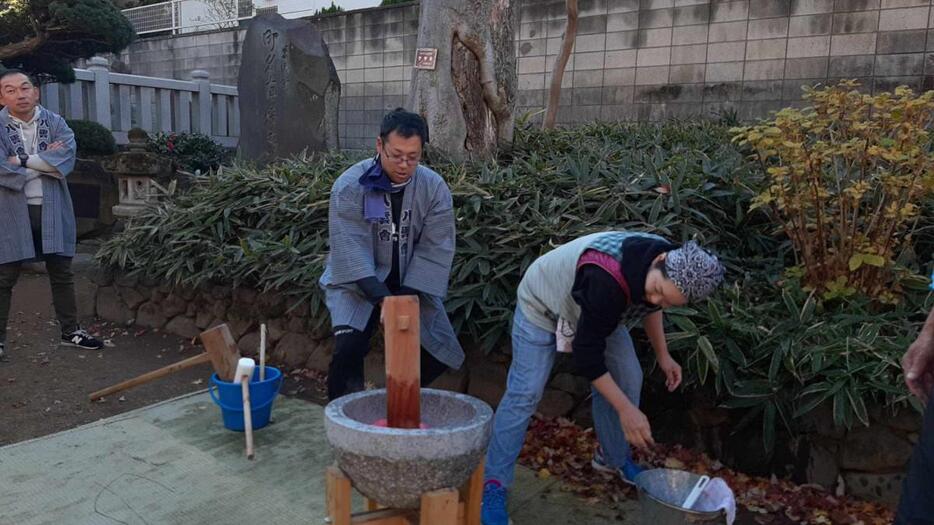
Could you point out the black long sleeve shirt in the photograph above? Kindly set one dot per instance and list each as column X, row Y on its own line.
column 602, row 303
column 605, row 304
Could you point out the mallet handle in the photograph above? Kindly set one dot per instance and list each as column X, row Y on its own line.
column 247, row 417
column 150, row 376
column 403, row 361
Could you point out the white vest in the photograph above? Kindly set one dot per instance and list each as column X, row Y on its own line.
column 545, row 290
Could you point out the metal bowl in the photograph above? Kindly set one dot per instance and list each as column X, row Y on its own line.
column 661, row 492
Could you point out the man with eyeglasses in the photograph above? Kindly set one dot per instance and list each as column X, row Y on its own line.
column 391, row 229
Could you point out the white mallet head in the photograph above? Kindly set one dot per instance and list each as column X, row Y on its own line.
column 245, row 367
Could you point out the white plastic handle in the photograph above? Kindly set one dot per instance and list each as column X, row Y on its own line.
column 696, row 492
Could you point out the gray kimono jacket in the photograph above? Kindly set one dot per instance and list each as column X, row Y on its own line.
column 58, row 216
column 361, row 249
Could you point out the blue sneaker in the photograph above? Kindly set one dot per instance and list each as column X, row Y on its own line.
column 493, row 508
column 627, row 472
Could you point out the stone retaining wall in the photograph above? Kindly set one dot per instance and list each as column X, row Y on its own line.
column 870, row 461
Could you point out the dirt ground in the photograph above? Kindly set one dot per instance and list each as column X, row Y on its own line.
column 44, row 387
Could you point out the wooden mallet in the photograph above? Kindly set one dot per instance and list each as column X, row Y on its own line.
column 223, row 351
column 403, row 361
column 220, row 349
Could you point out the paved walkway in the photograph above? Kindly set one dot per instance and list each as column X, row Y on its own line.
column 174, row 463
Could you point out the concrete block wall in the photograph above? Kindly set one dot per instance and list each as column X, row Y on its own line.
column 653, row 59
column 373, row 51
column 633, row 59
column 217, row 52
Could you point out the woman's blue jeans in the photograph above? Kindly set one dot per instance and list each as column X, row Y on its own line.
column 533, row 355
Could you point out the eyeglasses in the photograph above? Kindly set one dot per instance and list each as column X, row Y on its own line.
column 401, row 159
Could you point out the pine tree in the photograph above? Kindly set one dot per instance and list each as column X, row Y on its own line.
column 44, row 37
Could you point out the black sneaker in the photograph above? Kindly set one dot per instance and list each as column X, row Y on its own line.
column 81, row 339
column 3, row 357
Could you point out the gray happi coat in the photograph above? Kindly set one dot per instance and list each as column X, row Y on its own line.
column 58, row 216
column 361, row 249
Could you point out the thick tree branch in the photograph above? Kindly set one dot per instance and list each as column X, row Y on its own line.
column 23, row 47
column 561, row 62
column 484, row 53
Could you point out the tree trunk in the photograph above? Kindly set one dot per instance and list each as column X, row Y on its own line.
column 468, row 99
column 561, row 62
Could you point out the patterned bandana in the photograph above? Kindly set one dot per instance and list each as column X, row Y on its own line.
column 42, row 133
column 695, row 272
column 377, row 185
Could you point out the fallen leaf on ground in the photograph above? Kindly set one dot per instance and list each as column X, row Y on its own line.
column 564, row 450
column 674, row 463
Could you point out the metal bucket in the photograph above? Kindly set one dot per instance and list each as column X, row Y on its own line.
column 661, row 492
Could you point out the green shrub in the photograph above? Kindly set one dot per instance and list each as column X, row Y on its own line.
column 263, row 228
column 92, row 138
column 268, row 229
column 772, row 348
column 190, row 151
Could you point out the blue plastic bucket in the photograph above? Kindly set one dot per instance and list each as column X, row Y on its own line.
column 229, row 396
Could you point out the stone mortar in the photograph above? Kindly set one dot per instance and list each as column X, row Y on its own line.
column 393, row 466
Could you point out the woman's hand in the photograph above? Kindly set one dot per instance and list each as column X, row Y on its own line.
column 672, row 371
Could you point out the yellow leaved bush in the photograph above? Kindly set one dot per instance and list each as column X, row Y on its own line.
column 846, row 176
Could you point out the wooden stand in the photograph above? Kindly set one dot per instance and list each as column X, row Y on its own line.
column 438, row 507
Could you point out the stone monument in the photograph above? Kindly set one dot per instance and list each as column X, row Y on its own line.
column 289, row 90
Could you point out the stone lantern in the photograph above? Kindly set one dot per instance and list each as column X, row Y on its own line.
column 143, row 177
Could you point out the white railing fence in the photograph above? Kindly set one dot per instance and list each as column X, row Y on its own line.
column 121, row 102
column 179, row 16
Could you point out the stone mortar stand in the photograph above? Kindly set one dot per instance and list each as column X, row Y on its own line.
column 394, row 467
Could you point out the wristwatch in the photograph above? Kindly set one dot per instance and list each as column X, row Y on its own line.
column 23, row 159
